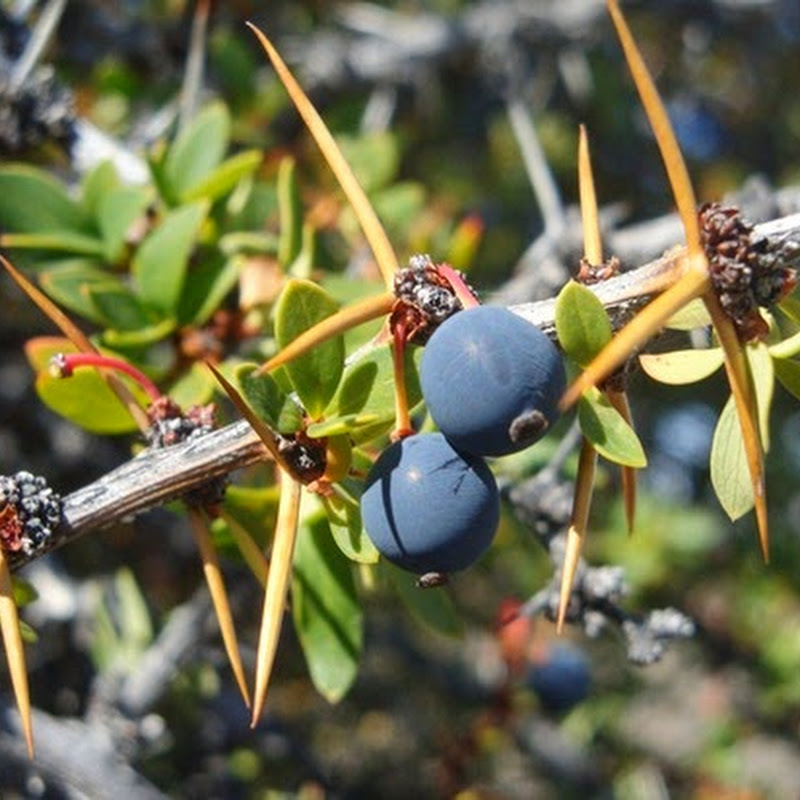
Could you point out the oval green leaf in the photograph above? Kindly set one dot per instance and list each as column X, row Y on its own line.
column 68, row 282
column 315, row 375
column 160, row 264
column 196, row 151
column 730, row 474
column 344, row 519
column 326, row 611
column 606, row 429
column 225, row 177
column 582, row 324
column 681, row 367
column 268, row 401
column 115, row 216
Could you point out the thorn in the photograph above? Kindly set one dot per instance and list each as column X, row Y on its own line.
column 15, row 653
column 592, row 241
column 620, row 401
column 370, row 224
column 219, row 596
column 277, row 588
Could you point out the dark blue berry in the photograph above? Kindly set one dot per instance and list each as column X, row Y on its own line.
column 428, row 508
column 491, row 381
column 562, row 679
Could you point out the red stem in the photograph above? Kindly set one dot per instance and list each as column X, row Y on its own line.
column 64, row 363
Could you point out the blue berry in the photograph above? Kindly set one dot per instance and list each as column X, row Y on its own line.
column 562, row 679
column 491, row 381
column 428, row 508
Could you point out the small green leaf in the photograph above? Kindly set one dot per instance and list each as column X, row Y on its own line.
column 97, row 185
column 344, row 519
column 83, row 399
column 33, row 202
column 730, row 475
column 119, row 210
column 225, row 177
column 582, row 324
column 117, row 306
column 364, row 402
column 681, row 367
column 138, row 337
column 692, row 316
column 788, row 374
column 160, row 264
column 268, row 400
column 786, row 348
column 194, row 387
column 326, row 611
column 212, row 280
column 431, row 607
column 291, row 213
column 68, row 283
column 67, row 242
column 316, row 374
column 606, row 429
column 196, row 152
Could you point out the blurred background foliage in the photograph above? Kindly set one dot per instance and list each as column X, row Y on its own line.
column 480, row 715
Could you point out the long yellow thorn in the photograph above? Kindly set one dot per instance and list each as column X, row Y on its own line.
column 219, row 596
column 677, row 172
column 576, row 532
column 15, row 653
column 592, row 242
column 365, row 213
column 738, row 373
column 277, row 588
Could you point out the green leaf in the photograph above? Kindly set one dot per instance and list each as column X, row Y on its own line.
column 582, row 324
column 139, row 337
column 120, row 209
column 291, row 213
column 225, row 177
column 64, row 241
column 606, row 429
column 97, row 185
column 255, row 508
column 196, row 151
column 692, row 316
column 33, row 202
column 68, row 282
column 682, row 366
column 344, row 519
column 788, row 374
column 117, row 306
column 269, row 402
column 786, row 348
column 790, row 306
column 432, row 607
column 326, row 611
column 194, row 387
column 316, row 374
column 730, row 475
column 374, row 158
column 83, row 399
column 212, row 280
column 160, row 264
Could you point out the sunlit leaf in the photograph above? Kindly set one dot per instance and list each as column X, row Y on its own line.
column 680, row 367
column 314, row 375
column 730, row 475
column 268, row 400
column 225, row 177
column 68, row 283
column 291, row 213
column 198, row 149
column 326, row 610
column 161, row 262
column 582, row 323
column 344, row 519
column 692, row 316
column 120, row 208
column 31, row 201
column 608, row 432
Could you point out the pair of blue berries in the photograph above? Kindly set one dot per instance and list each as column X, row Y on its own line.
column 491, row 382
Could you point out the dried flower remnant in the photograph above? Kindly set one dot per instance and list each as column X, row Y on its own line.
column 29, row 512
column 747, row 271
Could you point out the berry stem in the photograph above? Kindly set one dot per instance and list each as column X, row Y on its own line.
column 402, row 419
column 63, row 364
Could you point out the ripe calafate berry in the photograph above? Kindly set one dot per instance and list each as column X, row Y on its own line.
column 428, row 508
column 491, row 381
